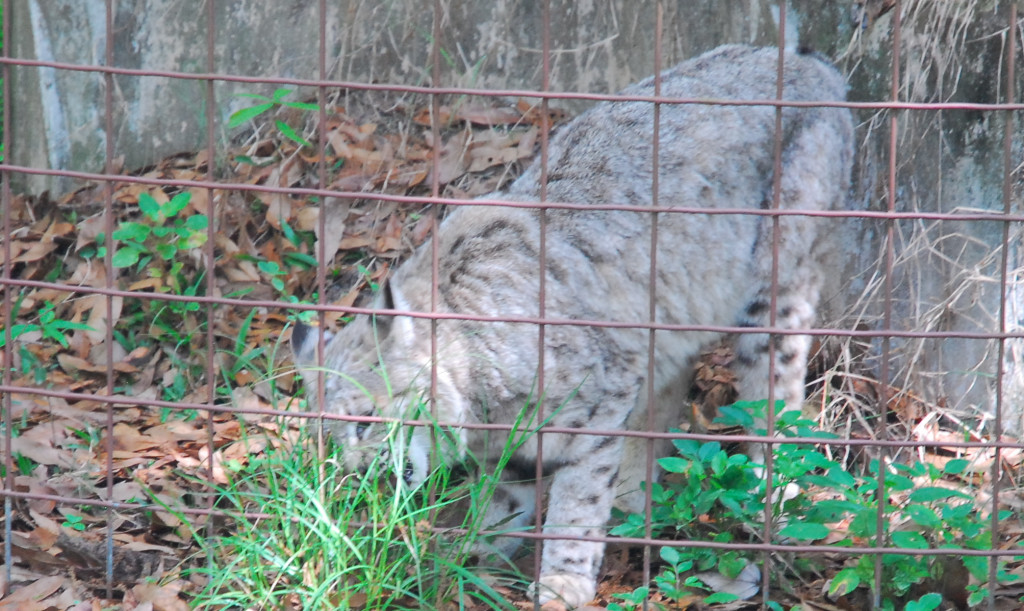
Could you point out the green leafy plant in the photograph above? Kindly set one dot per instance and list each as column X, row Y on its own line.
column 248, row 363
column 368, row 276
column 291, row 258
column 630, row 600
column 24, row 464
column 277, row 275
column 298, row 239
column 266, row 104
column 933, row 516
column 161, row 234
column 676, row 579
column 153, row 246
column 709, row 494
column 156, row 246
column 74, row 522
column 242, row 359
column 928, row 602
column 159, row 245
column 49, row 324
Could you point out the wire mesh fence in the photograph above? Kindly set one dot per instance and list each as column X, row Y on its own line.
column 368, row 336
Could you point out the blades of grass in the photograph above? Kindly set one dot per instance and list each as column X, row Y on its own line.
column 243, row 332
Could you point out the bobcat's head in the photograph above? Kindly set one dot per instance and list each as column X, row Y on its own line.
column 377, row 367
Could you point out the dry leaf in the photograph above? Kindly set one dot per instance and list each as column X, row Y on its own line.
column 335, row 210
column 42, row 453
column 24, row 598
column 162, row 597
column 452, row 162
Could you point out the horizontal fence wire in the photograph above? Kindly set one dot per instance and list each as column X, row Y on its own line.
column 508, row 93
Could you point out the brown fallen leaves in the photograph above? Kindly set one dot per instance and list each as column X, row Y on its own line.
column 74, row 456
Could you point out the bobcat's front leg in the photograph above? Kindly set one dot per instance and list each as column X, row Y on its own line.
column 579, row 505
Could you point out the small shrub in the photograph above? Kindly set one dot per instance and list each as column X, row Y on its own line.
column 709, row 494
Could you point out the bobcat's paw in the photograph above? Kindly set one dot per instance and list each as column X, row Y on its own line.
column 743, row 586
column 569, row 588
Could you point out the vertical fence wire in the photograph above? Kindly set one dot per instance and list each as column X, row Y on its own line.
column 539, row 407
column 773, row 303
column 652, row 292
column 887, row 298
column 321, row 225
column 212, row 226
column 108, row 211
column 6, row 402
column 436, row 100
column 321, row 250
column 1004, row 295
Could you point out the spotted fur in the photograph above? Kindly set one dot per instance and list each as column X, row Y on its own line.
column 713, row 269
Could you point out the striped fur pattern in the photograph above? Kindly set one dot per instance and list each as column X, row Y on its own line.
column 711, row 270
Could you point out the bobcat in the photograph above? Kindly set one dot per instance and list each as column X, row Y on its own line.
column 712, row 270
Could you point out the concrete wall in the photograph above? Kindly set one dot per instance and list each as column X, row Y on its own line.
column 599, row 46
column 946, row 274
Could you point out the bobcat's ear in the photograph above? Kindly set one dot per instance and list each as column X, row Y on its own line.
column 305, row 340
column 391, row 298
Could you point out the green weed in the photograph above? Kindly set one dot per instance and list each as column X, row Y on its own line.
column 332, row 539
column 153, row 247
column 329, row 539
column 711, row 495
column 75, row 522
column 266, row 104
column 49, row 325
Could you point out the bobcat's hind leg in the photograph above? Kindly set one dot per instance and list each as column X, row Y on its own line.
column 753, row 365
column 754, row 368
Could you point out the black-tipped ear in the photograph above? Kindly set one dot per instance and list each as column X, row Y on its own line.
column 385, row 301
column 387, row 296
column 391, row 298
column 305, row 340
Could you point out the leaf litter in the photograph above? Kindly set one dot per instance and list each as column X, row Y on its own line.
column 61, row 447
column 265, row 247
